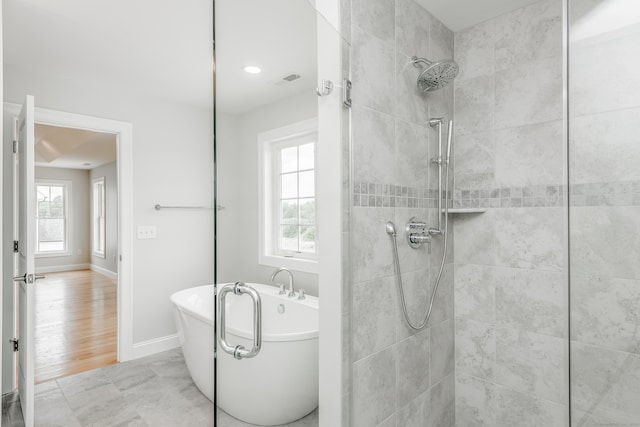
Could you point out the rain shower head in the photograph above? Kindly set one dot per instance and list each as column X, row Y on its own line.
column 437, row 74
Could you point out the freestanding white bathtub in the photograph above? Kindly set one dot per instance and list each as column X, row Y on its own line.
column 280, row 384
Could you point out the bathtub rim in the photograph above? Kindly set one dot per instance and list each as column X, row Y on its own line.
column 178, row 301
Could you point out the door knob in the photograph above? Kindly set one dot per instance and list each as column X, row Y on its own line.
column 28, row 278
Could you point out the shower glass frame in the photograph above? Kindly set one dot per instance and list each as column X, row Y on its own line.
column 602, row 277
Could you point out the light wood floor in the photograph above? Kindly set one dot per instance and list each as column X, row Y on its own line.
column 76, row 323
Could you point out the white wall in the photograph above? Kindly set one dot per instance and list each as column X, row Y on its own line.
column 109, row 172
column 237, row 156
column 78, row 227
column 172, row 164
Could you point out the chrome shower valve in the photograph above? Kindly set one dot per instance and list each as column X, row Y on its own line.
column 419, row 238
column 417, row 233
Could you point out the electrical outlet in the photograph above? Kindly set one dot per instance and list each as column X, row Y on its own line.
column 146, row 232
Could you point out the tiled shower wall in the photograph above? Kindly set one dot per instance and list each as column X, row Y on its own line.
column 510, row 280
column 604, row 154
column 400, row 378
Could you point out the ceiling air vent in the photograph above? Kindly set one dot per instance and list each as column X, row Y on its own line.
column 287, row 78
column 291, row 77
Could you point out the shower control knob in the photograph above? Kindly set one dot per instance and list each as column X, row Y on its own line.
column 416, row 232
column 419, row 238
column 417, row 225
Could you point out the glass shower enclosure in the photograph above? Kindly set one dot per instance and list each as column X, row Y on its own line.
column 604, row 212
column 538, row 316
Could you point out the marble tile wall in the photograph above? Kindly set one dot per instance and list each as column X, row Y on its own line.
column 510, row 288
column 400, row 378
column 605, row 274
column 510, row 285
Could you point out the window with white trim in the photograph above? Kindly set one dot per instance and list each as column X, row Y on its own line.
column 289, row 229
column 98, row 212
column 52, row 222
column 295, row 198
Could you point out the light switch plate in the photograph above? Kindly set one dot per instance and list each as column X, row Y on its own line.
column 146, row 232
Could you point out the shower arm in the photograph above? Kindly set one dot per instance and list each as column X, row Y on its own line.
column 415, row 61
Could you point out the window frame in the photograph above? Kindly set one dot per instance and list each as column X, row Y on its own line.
column 278, row 222
column 95, row 181
column 270, row 143
column 68, row 220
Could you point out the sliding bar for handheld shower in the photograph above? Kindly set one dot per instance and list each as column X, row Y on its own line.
column 438, row 162
column 449, row 138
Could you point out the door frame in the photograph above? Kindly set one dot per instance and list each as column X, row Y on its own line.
column 124, row 164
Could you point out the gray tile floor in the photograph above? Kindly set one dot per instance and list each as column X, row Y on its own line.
column 154, row 391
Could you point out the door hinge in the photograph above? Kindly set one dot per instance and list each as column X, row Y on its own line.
column 16, row 247
column 346, row 92
column 15, row 146
column 15, row 342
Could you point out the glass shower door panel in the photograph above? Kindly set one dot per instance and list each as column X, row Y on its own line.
column 270, row 57
column 604, row 154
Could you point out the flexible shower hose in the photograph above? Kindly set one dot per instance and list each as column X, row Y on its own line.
column 398, row 273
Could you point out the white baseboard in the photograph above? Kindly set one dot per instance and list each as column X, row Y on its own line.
column 157, row 345
column 110, row 274
column 59, row 268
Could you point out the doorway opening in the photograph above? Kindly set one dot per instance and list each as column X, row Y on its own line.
column 76, row 249
column 120, row 295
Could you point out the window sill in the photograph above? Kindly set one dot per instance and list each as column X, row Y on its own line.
column 51, row 254
column 296, row 264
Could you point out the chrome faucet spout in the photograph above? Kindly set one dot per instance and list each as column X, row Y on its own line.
column 290, row 292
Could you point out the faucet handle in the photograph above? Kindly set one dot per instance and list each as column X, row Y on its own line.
column 301, row 294
column 282, row 291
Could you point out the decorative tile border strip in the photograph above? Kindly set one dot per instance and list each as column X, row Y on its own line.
column 627, row 193
column 622, row 193
column 510, row 197
column 368, row 194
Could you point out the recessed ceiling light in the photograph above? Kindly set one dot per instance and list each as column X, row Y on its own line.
column 86, row 164
column 252, row 69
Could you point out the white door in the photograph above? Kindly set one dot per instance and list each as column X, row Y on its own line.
column 25, row 273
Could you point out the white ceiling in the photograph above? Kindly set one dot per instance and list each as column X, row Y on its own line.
column 460, row 14
column 73, row 148
column 157, row 48
column 279, row 36
column 163, row 48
